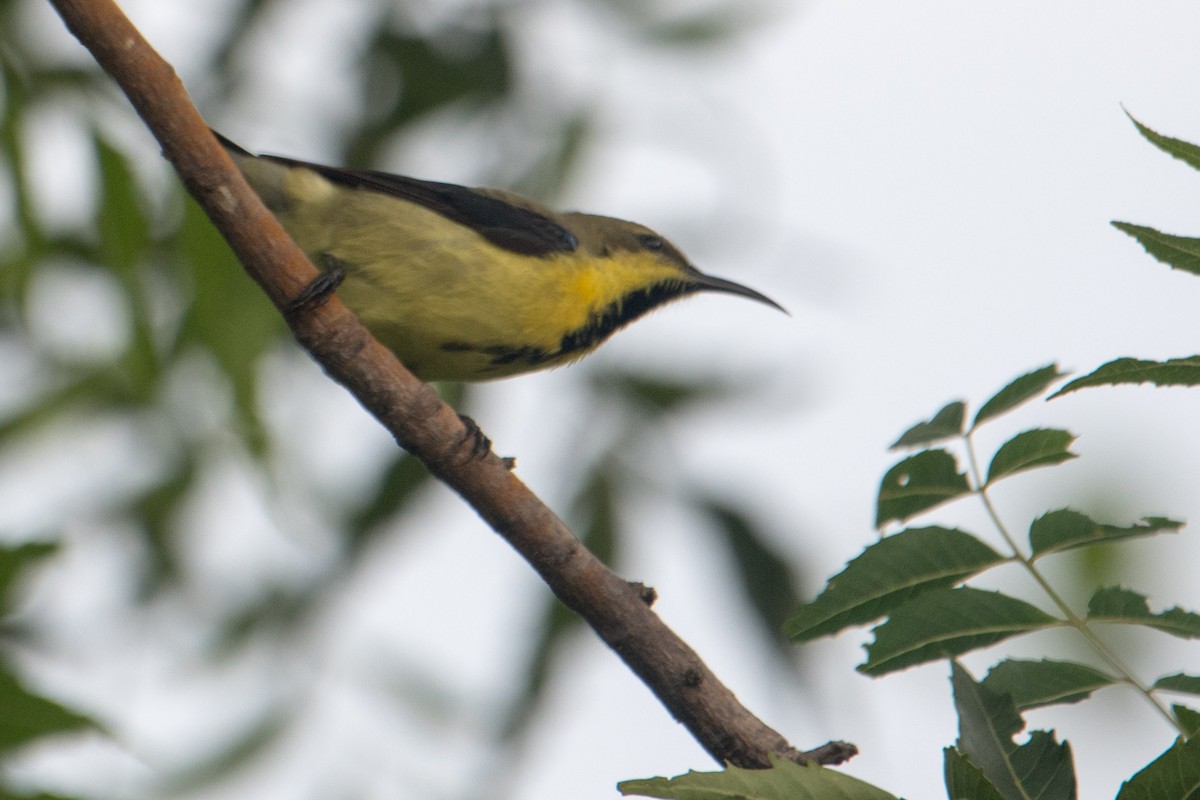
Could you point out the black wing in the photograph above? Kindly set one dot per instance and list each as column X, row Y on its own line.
column 513, row 227
column 506, row 225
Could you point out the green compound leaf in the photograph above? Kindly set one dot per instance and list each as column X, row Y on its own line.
column 1124, row 371
column 964, row 780
column 1184, row 151
column 1178, row 252
column 1066, row 529
column 1041, row 683
column 1114, row 604
column 941, row 623
column 1041, row 447
column 919, row 483
column 783, row 781
column 1188, row 684
column 987, row 722
column 888, row 573
column 945, row 424
column 1021, row 389
column 1175, row 775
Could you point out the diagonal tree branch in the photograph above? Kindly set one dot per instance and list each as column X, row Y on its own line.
column 422, row 424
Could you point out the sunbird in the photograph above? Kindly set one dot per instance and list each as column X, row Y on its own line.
column 470, row 284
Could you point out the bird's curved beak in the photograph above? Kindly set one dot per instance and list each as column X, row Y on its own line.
column 709, row 283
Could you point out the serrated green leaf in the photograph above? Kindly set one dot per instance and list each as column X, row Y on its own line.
column 1186, row 152
column 918, row 483
column 1174, row 775
column 1040, row 447
column 1021, row 389
column 964, row 780
column 1066, row 529
column 783, row 781
column 941, row 623
column 888, row 573
column 28, row 716
column 987, row 723
column 1189, row 718
column 945, row 424
column 1188, row 684
column 1177, row 252
column 1041, row 683
column 1124, row 371
column 1040, row 768
column 1114, row 604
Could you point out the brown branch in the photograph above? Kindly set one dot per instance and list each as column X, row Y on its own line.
column 416, row 416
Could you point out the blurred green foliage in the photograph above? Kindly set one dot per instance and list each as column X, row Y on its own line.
column 190, row 318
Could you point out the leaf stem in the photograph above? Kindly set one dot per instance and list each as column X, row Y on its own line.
column 1074, row 620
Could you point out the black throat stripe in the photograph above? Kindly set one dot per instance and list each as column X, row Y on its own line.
column 599, row 326
column 618, row 314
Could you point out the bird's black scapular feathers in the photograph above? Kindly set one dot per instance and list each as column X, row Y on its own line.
column 506, row 225
column 519, row 230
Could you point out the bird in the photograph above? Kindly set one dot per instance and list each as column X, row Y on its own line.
column 471, row 284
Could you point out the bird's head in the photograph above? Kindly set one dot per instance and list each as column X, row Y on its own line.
column 646, row 262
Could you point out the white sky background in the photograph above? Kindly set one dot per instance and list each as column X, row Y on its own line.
column 926, row 186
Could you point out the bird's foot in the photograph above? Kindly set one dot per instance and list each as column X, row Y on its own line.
column 481, row 445
column 322, row 287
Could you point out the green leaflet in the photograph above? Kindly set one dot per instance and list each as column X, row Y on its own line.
column 1174, row 775
column 1040, row 768
column 1125, row 371
column 1041, row 447
column 1189, row 684
column 1065, row 529
column 1114, row 604
column 919, row 483
column 783, row 781
column 1186, row 152
column 1178, row 252
column 964, row 780
column 888, row 573
column 1039, row 683
column 1018, row 391
column 941, row 623
column 945, row 424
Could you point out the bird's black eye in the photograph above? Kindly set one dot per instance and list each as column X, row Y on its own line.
column 650, row 241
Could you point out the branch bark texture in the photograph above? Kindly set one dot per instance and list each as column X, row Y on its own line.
column 422, row 424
